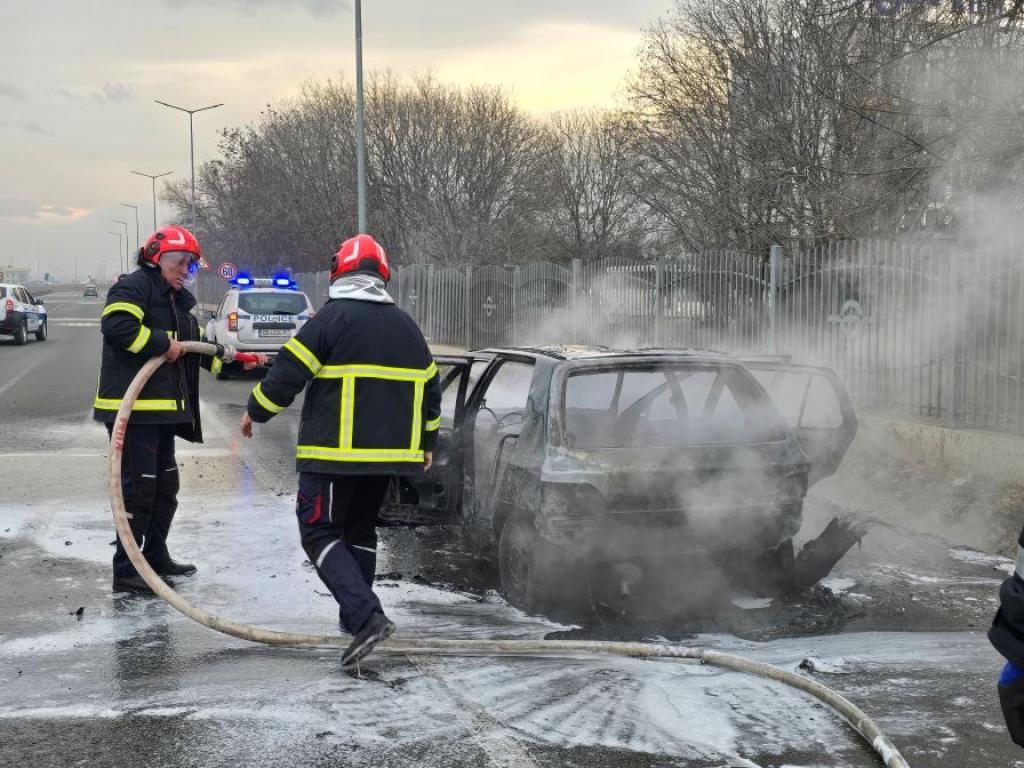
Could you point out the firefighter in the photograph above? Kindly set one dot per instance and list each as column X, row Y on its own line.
column 371, row 412
column 147, row 315
column 1007, row 635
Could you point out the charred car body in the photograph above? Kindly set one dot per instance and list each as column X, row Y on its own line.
column 573, row 461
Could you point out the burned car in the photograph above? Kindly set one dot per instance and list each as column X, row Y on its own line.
column 564, row 463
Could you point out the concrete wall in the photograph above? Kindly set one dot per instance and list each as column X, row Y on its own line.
column 967, row 451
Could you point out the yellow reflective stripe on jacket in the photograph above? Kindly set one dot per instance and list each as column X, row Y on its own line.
column 265, row 401
column 348, row 394
column 110, row 404
column 417, row 416
column 301, row 351
column 377, row 372
column 124, row 306
column 216, row 365
column 433, row 425
column 140, row 340
column 357, row 454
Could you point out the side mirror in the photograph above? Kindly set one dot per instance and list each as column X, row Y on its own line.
column 39, row 302
column 210, row 314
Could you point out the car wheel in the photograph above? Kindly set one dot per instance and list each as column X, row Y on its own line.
column 41, row 333
column 520, row 565
column 21, row 335
column 222, row 375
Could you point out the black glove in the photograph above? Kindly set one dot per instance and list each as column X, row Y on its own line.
column 1011, row 698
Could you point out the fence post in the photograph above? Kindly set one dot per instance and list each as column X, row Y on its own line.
column 659, row 301
column 774, row 286
column 515, row 305
column 574, row 301
column 428, row 297
column 951, row 413
column 467, row 306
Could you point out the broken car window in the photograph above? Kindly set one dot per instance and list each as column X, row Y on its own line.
column 666, row 406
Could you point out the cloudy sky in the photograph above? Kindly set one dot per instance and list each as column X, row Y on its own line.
column 78, row 79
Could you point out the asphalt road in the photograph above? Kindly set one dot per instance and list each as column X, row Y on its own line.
column 92, row 679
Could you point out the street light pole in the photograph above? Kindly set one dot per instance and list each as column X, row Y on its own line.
column 118, row 245
column 129, row 205
column 360, row 132
column 127, row 263
column 192, row 149
column 153, row 178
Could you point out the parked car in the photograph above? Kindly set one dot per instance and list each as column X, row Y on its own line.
column 258, row 315
column 563, row 462
column 21, row 313
column 90, row 290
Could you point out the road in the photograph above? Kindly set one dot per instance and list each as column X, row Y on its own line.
column 92, row 679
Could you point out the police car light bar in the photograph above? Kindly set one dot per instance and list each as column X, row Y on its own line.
column 281, row 281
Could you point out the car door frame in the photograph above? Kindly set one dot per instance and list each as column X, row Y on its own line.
column 811, row 439
column 468, row 429
column 447, row 477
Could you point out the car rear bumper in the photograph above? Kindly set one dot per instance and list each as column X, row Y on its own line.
column 11, row 322
column 668, row 534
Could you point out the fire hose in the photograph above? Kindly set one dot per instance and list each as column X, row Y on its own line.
column 853, row 715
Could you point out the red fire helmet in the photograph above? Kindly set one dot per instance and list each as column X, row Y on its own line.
column 168, row 239
column 360, row 254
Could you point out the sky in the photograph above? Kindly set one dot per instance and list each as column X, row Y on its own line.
column 78, row 79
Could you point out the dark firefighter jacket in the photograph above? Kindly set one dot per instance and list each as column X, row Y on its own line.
column 141, row 316
column 374, row 399
column 1007, row 632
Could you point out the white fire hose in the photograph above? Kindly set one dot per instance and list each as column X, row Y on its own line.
column 853, row 715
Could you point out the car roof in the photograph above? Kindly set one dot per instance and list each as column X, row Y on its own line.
column 597, row 352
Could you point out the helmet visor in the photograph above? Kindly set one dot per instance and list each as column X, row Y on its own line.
column 177, row 259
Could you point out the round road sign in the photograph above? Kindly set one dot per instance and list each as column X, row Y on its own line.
column 227, row 270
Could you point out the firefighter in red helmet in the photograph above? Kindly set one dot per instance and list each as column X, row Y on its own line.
column 147, row 315
column 372, row 411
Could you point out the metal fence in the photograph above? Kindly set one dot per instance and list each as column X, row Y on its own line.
column 918, row 329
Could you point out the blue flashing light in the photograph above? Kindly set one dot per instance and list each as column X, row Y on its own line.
column 242, row 279
column 283, row 282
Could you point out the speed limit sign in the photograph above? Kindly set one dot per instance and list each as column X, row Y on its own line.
column 227, row 270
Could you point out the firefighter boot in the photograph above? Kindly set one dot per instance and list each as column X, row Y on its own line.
column 378, row 627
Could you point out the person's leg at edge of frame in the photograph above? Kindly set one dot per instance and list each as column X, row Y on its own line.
column 333, row 560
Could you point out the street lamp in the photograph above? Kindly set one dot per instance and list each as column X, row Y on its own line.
column 129, row 205
column 192, row 148
column 153, row 178
column 360, row 133
column 118, row 245
column 126, row 261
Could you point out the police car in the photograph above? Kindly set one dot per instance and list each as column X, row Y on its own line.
column 21, row 313
column 258, row 315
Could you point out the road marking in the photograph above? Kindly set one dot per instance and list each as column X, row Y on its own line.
column 21, row 375
column 95, row 320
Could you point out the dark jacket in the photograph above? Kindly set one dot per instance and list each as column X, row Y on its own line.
column 374, row 399
column 1007, row 632
column 140, row 317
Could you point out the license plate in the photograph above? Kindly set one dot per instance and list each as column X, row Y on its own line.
column 279, row 332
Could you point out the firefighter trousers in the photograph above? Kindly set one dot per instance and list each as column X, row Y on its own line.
column 149, row 482
column 337, row 517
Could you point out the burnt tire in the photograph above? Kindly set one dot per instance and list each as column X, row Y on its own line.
column 520, row 565
column 41, row 333
column 21, row 335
